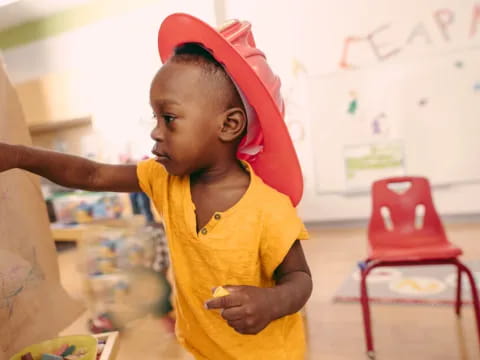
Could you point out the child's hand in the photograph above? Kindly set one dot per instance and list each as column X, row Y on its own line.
column 247, row 309
column 8, row 157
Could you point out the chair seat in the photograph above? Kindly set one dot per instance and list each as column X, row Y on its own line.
column 430, row 252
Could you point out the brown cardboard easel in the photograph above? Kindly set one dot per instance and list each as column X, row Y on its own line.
column 33, row 304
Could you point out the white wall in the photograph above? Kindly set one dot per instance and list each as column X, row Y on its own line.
column 113, row 61
column 307, row 31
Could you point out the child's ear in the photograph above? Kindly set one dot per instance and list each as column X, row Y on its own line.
column 233, row 125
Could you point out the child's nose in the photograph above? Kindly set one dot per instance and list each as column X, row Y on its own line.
column 157, row 134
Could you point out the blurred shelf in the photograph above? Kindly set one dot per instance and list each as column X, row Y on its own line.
column 61, row 232
column 59, row 125
column 67, row 233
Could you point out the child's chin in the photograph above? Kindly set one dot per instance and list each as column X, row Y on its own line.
column 172, row 170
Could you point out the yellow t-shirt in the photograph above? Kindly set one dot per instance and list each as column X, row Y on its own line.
column 241, row 246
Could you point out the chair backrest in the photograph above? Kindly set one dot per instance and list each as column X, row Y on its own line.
column 397, row 215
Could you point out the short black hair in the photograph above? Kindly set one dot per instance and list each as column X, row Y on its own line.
column 194, row 53
column 192, row 50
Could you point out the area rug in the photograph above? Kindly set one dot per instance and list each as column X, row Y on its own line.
column 423, row 285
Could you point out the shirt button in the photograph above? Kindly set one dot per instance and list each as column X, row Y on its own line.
column 218, row 216
column 204, row 231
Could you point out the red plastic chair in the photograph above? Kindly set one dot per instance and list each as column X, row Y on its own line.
column 397, row 238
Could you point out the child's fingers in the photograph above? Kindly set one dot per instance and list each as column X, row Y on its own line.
column 223, row 302
column 234, row 313
column 237, row 325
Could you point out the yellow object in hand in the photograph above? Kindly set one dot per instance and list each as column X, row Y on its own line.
column 220, row 291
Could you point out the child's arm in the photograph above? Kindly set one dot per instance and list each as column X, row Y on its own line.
column 294, row 283
column 68, row 170
column 250, row 309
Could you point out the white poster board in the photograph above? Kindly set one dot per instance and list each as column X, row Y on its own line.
column 431, row 106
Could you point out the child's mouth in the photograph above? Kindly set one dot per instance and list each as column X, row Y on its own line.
column 160, row 157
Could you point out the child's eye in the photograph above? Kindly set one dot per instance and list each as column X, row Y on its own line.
column 168, row 118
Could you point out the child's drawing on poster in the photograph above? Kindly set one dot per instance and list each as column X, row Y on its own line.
column 372, row 161
column 409, row 79
column 16, row 275
column 33, row 304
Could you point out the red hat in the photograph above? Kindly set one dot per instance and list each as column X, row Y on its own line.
column 275, row 160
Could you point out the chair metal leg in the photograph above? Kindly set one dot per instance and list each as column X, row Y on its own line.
column 366, row 313
column 458, row 302
column 476, row 301
column 461, row 268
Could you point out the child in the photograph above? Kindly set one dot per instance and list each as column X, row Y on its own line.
column 225, row 226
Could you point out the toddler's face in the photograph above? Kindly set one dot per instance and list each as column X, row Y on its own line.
column 188, row 118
